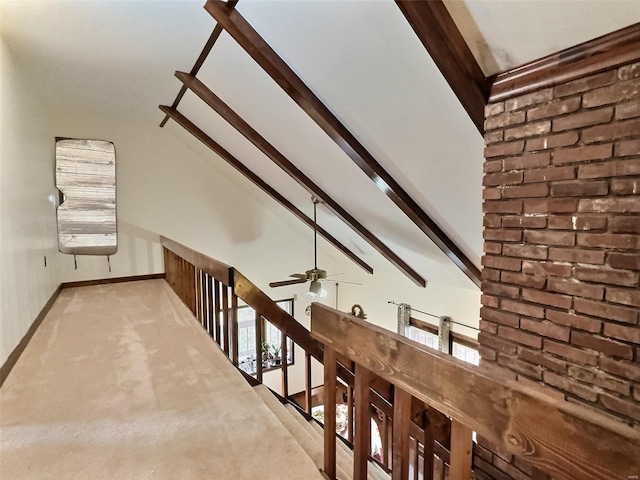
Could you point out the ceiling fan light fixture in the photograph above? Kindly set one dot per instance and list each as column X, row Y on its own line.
column 316, row 290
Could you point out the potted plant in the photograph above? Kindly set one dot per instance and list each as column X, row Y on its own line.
column 276, row 356
column 265, row 353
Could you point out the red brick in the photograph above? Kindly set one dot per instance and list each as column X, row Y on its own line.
column 569, row 385
column 492, row 193
column 584, row 84
column 599, row 344
column 577, row 222
column 606, row 275
column 519, row 336
column 490, row 472
column 622, row 332
column 489, row 301
column 502, row 206
column 625, row 186
column 526, row 191
column 500, row 289
column 501, row 263
column 627, row 148
column 502, row 149
column 498, row 316
column 571, row 353
column 630, row 371
column 616, row 93
column 552, row 141
column 493, row 137
column 545, row 298
column 554, row 108
column 540, row 358
column 600, row 379
column 628, row 110
column 609, row 240
column 510, row 470
column 487, row 354
column 532, row 281
column 605, row 310
column 595, row 257
column 546, row 237
column 520, row 366
column 583, row 154
column 508, row 178
column 528, row 130
column 483, row 453
column 621, row 406
column 496, row 343
column 583, row 119
column 534, row 98
column 576, row 288
column 524, row 250
column 546, row 329
column 524, row 222
column 504, row 120
column 617, row 168
column 490, row 274
column 579, row 188
column 610, row 205
column 491, row 166
column 492, row 220
column 629, row 261
column 549, row 174
column 493, row 109
column 629, row 71
column 490, row 247
column 615, row 130
column 629, row 297
column 528, row 160
column 551, row 205
column 546, row 268
column 502, row 235
column 520, row 308
column 579, row 322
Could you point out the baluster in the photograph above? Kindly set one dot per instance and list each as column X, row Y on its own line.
column 225, row 318
column 216, row 307
column 284, row 367
column 329, row 393
column 192, row 288
column 198, row 295
column 350, row 413
column 362, row 440
column 234, row 327
column 210, row 306
column 307, row 382
column 401, row 420
column 427, row 466
column 258, row 346
column 461, row 446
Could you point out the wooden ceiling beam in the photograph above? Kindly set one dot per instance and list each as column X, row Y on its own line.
column 237, row 122
column 437, row 31
column 268, row 59
column 189, row 126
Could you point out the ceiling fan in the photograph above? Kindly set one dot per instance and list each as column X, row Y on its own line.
column 314, row 275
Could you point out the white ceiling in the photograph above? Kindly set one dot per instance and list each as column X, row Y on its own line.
column 117, row 59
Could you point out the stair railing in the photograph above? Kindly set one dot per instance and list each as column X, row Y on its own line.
column 560, row 439
column 211, row 289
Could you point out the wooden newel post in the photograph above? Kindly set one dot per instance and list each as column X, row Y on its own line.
column 330, row 373
column 401, row 424
column 461, row 451
column 362, row 438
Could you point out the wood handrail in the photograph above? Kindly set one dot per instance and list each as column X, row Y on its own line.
column 218, row 270
column 565, row 440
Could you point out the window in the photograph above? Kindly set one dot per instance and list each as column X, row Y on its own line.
column 270, row 351
column 86, row 178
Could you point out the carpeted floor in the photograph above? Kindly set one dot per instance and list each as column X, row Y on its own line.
column 120, row 382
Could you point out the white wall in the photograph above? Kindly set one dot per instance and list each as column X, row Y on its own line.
column 27, row 215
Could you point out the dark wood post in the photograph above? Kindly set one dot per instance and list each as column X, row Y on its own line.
column 330, row 373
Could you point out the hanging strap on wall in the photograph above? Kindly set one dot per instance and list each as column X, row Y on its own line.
column 109, row 263
column 75, row 262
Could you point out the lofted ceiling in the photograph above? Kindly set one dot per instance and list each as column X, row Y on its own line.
column 361, row 58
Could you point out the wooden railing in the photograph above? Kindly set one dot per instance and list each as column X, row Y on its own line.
column 561, row 440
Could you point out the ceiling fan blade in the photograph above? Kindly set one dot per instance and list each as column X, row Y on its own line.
column 287, row 282
column 298, row 275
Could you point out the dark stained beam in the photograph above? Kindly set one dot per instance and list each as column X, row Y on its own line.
column 440, row 36
column 211, row 99
column 201, row 58
column 280, row 72
column 240, row 167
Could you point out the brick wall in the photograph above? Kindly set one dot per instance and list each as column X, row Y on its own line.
column 561, row 297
